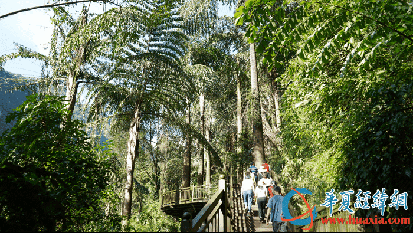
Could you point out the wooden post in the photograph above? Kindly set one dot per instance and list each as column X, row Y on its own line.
column 161, row 197
column 231, row 182
column 186, row 224
column 230, row 198
column 177, row 194
column 222, row 221
column 225, row 209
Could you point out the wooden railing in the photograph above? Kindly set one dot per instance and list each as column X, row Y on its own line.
column 324, row 212
column 238, row 214
column 187, row 195
column 214, row 216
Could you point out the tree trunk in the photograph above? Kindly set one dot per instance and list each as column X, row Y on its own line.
column 155, row 161
column 258, row 143
column 132, row 154
column 162, row 167
column 186, row 171
column 239, row 124
column 207, row 154
column 78, row 59
column 201, row 170
column 239, row 115
column 51, row 5
column 276, row 97
column 71, row 92
column 156, row 176
column 163, row 150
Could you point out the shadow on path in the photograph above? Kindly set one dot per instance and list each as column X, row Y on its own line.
column 250, row 222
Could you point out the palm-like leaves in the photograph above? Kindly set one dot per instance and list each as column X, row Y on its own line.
column 145, row 60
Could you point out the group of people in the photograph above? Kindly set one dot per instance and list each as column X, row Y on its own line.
column 258, row 184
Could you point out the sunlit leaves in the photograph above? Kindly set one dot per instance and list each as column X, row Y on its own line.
column 334, row 24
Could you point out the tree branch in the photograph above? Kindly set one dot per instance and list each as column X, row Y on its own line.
column 48, row 6
column 85, row 81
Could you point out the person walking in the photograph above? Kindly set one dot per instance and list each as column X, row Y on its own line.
column 263, row 175
column 266, row 166
column 247, row 190
column 271, row 188
column 261, row 194
column 254, row 172
column 275, row 209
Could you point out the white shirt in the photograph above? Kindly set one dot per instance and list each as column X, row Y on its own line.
column 247, row 184
column 267, row 182
column 261, row 192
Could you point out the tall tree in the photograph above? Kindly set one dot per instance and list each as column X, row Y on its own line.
column 258, row 134
column 74, row 68
column 201, row 169
column 72, row 54
column 203, row 76
column 186, row 170
column 207, row 154
column 143, row 72
column 212, row 58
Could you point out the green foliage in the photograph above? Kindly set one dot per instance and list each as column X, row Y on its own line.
column 152, row 219
column 317, row 32
column 347, row 67
column 143, row 63
column 51, row 177
column 381, row 146
column 22, row 52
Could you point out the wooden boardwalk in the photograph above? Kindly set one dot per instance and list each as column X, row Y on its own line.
column 191, row 199
column 195, row 203
column 254, row 221
column 243, row 223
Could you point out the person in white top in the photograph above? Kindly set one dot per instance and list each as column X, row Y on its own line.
column 247, row 190
column 266, row 181
column 263, row 173
column 261, row 194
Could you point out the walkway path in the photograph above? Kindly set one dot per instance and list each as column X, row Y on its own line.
column 254, row 224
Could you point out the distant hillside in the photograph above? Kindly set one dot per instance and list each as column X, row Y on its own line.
column 9, row 100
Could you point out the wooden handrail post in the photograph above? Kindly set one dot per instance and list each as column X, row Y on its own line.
column 221, row 182
column 161, row 197
column 186, row 224
column 222, row 219
column 231, row 182
column 177, row 195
